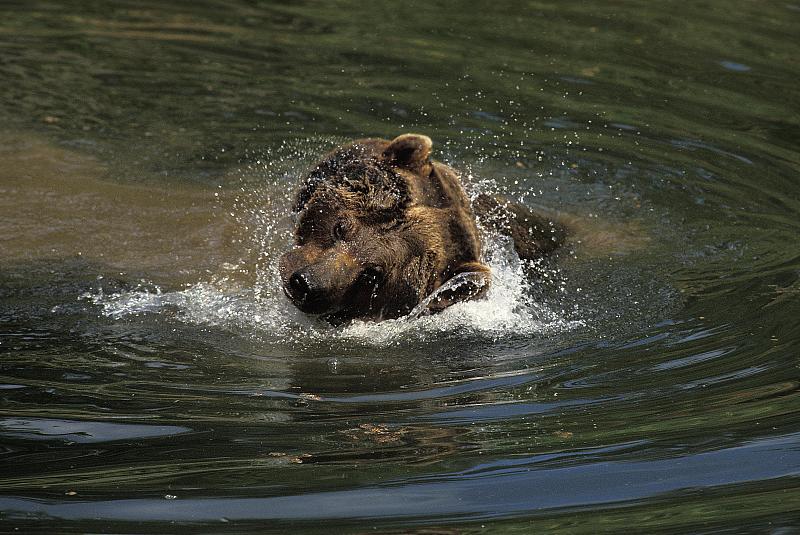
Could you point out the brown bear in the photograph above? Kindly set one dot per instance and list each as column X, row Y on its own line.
column 381, row 227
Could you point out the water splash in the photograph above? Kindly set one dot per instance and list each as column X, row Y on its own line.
column 259, row 308
column 507, row 309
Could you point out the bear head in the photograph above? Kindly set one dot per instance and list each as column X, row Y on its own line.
column 362, row 248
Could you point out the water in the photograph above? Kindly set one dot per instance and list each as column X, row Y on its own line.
column 154, row 378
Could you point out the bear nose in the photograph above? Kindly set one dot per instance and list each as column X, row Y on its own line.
column 299, row 286
column 307, row 292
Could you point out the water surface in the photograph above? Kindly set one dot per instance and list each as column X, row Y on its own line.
column 153, row 377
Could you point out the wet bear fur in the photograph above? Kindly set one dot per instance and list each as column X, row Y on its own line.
column 381, row 227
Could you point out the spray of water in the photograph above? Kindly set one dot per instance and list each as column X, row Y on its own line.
column 246, row 296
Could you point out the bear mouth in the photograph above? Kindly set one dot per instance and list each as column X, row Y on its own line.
column 335, row 317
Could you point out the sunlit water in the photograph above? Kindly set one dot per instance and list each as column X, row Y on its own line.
column 153, row 377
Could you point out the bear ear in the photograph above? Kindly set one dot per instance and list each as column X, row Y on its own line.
column 409, row 150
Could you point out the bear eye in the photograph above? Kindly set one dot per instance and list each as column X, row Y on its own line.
column 340, row 231
column 371, row 276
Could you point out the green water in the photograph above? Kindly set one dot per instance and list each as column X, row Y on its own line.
column 153, row 378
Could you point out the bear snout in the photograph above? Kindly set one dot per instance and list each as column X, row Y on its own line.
column 299, row 287
column 307, row 293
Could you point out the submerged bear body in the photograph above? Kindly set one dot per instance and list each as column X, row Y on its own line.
column 381, row 227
